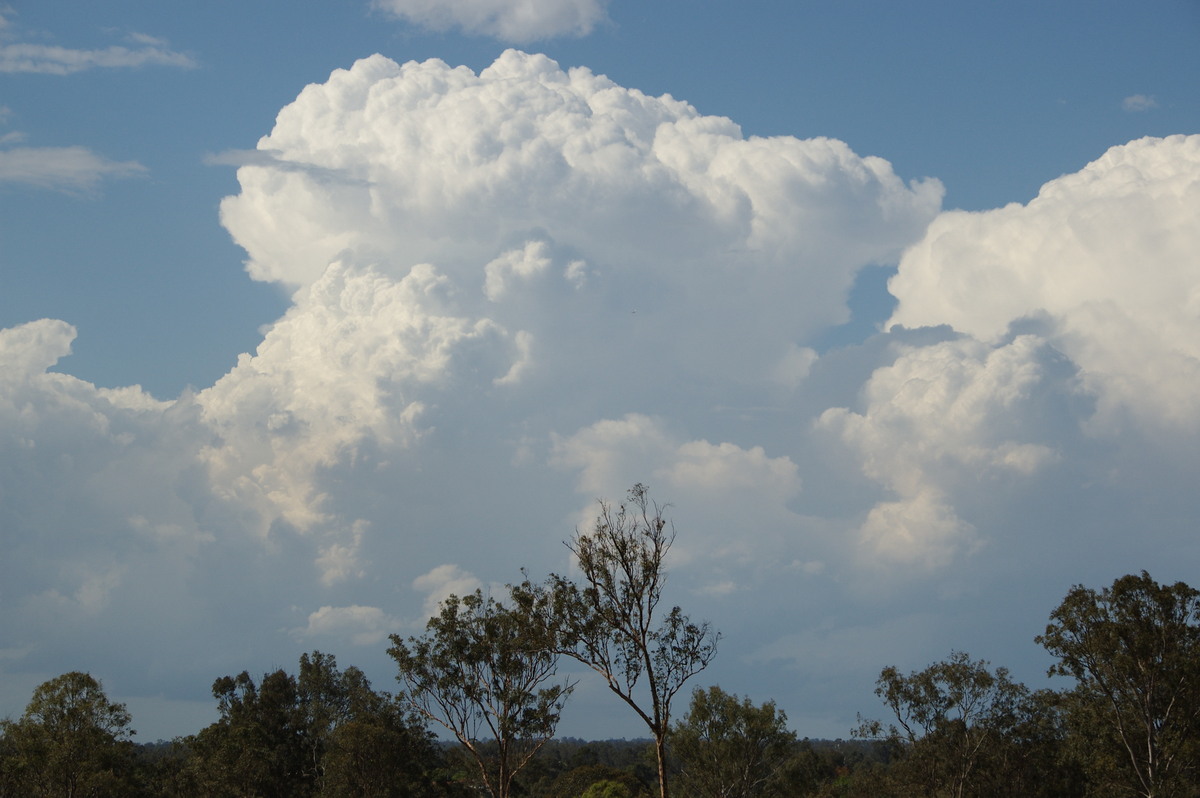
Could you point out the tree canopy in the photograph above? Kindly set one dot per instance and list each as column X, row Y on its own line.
column 611, row 620
column 1134, row 650
column 485, row 671
column 71, row 741
column 726, row 747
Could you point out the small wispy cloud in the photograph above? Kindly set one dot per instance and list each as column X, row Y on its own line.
column 27, row 57
column 519, row 23
column 1136, row 103
column 51, row 60
column 73, row 170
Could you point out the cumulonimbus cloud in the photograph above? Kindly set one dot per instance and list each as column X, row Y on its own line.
column 636, row 208
column 519, row 290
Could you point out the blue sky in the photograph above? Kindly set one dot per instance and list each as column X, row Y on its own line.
column 441, row 368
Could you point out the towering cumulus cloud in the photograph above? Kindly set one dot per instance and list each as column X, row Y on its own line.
column 468, row 245
column 504, row 283
column 1103, row 263
column 1078, row 357
column 518, row 290
column 558, row 201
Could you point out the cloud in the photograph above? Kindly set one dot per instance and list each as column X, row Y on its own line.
column 516, row 291
column 348, row 364
column 461, row 370
column 936, row 413
column 362, row 626
column 518, row 23
column 554, row 201
column 1102, row 263
column 442, row 582
column 1139, row 102
column 725, row 485
column 32, row 58
column 51, row 60
column 69, row 169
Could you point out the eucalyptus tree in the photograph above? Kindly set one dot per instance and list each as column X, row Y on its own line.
column 967, row 730
column 726, row 747
column 323, row 732
column 1134, row 652
column 487, row 673
column 613, row 620
column 71, row 741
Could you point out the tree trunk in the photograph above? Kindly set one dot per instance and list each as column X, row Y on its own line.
column 660, row 748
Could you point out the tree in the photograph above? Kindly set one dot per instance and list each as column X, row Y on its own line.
column 1134, row 651
column 361, row 742
column 964, row 729
column 322, row 733
column 579, row 780
column 606, row 789
column 728, row 748
column 259, row 744
column 485, row 672
column 611, row 621
column 71, row 741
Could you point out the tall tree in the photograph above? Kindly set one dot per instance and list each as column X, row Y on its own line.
column 612, row 622
column 726, row 747
column 486, row 673
column 1134, row 651
column 71, row 741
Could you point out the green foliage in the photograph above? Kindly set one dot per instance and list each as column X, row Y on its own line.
column 965, row 731
column 1134, row 651
column 324, row 733
column 729, row 748
column 71, row 741
column 606, row 789
column 568, row 767
column 579, row 780
column 259, row 746
column 611, row 621
column 485, row 672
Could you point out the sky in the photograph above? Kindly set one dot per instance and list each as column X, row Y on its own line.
column 314, row 313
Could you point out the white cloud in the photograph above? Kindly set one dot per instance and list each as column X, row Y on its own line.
column 70, row 169
column 29, row 57
column 517, row 291
column 714, row 489
column 571, row 202
column 442, row 582
column 350, row 362
column 936, row 414
column 1103, row 262
column 516, row 22
column 1139, row 102
column 362, row 626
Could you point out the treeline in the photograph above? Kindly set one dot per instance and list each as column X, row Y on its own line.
column 486, row 671
column 1129, row 726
